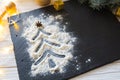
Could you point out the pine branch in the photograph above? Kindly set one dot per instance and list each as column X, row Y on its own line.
column 99, row 4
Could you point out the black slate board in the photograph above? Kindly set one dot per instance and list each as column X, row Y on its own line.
column 98, row 36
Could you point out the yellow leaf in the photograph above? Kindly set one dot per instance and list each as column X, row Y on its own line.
column 58, row 4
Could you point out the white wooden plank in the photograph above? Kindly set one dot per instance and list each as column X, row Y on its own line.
column 101, row 73
column 108, row 76
column 8, row 74
column 113, row 67
column 7, row 57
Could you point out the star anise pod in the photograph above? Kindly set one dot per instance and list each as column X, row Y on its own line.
column 39, row 24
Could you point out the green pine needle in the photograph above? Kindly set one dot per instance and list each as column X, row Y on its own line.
column 99, row 4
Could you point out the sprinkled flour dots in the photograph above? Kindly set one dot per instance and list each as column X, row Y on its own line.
column 88, row 60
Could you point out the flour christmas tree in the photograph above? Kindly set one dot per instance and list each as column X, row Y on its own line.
column 50, row 47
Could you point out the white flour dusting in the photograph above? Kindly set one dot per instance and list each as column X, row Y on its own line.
column 50, row 47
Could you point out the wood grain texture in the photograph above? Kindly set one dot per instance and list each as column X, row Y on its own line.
column 8, row 68
column 107, row 72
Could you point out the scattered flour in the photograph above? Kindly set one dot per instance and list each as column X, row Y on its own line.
column 88, row 60
column 51, row 48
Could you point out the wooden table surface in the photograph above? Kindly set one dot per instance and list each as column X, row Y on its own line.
column 8, row 69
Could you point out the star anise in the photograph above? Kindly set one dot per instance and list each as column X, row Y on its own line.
column 38, row 24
